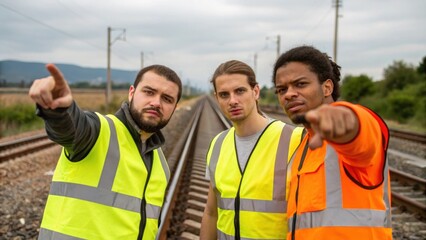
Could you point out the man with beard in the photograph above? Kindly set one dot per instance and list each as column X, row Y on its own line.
column 111, row 177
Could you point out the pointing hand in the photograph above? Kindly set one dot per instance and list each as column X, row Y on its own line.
column 53, row 91
column 332, row 123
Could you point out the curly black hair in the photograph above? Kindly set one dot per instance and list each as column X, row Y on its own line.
column 318, row 62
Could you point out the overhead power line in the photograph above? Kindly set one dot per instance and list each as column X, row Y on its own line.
column 49, row 26
column 318, row 23
column 59, row 30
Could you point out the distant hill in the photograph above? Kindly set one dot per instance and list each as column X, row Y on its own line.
column 25, row 72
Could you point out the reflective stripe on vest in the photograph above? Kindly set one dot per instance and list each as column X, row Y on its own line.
column 103, row 196
column 102, row 193
column 221, row 235
column 253, row 205
column 48, row 234
column 215, row 156
column 335, row 214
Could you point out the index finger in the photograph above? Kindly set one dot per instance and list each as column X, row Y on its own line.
column 55, row 73
column 312, row 116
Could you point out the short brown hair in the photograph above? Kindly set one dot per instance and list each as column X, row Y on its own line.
column 163, row 71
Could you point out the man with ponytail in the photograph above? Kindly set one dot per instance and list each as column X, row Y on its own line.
column 247, row 163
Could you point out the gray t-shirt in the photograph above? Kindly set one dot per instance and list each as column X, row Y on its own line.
column 244, row 147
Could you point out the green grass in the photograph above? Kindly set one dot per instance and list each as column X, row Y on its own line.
column 406, row 127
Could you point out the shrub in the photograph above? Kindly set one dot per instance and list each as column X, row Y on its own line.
column 377, row 104
column 354, row 88
column 401, row 107
column 18, row 116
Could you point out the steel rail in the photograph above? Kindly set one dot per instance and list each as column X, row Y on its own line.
column 405, row 202
column 22, row 141
column 172, row 189
column 6, row 149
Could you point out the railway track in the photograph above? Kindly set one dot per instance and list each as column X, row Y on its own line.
column 13, row 149
column 408, row 192
column 187, row 195
column 412, row 136
column 187, row 191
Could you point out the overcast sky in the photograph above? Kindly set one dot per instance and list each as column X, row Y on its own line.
column 194, row 36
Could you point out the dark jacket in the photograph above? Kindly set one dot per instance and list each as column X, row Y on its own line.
column 77, row 130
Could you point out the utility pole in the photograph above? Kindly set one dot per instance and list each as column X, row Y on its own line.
column 278, row 42
column 122, row 36
column 336, row 4
column 141, row 59
column 255, row 63
column 143, row 55
column 278, row 45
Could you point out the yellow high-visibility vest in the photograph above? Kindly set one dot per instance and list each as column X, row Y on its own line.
column 109, row 194
column 252, row 204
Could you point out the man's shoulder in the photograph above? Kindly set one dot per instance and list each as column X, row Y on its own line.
column 281, row 124
column 361, row 111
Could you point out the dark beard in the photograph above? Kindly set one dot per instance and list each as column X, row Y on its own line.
column 144, row 125
column 299, row 119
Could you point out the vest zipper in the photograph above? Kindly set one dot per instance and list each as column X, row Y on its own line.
column 142, row 224
column 302, row 159
column 237, row 215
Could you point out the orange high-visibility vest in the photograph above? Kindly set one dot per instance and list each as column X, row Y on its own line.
column 342, row 191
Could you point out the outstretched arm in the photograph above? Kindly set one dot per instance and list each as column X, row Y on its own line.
column 66, row 124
